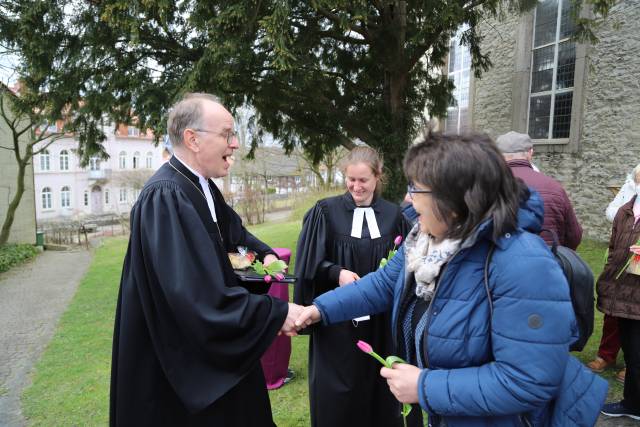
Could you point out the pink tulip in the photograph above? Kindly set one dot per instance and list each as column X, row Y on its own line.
column 365, row 347
column 397, row 241
column 267, row 278
column 279, row 277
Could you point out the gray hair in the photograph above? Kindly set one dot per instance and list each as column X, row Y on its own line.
column 187, row 113
column 635, row 173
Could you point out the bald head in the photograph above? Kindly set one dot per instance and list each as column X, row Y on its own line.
column 188, row 113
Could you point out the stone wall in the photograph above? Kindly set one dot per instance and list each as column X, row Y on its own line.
column 609, row 143
column 24, row 224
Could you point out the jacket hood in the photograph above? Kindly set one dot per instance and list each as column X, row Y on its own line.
column 531, row 213
column 530, row 218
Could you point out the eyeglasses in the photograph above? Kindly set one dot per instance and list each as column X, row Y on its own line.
column 230, row 135
column 411, row 189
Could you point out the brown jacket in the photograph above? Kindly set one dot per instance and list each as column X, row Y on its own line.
column 620, row 298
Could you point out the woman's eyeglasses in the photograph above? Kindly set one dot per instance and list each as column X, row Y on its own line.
column 411, row 189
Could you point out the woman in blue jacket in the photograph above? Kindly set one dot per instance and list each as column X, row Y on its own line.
column 470, row 364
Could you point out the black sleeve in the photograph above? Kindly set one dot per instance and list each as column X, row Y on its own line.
column 240, row 236
column 207, row 334
column 311, row 266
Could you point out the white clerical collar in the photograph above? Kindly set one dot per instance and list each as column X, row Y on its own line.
column 358, row 219
column 204, row 183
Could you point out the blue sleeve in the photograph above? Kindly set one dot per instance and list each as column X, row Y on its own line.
column 371, row 294
column 531, row 329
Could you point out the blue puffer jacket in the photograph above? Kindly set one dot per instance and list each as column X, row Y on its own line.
column 520, row 374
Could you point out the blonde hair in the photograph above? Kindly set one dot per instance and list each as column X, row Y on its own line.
column 368, row 156
column 635, row 174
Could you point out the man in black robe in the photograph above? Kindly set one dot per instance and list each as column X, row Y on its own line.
column 188, row 339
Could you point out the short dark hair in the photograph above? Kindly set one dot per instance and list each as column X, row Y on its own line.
column 470, row 182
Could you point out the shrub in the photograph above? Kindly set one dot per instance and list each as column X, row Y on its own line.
column 13, row 254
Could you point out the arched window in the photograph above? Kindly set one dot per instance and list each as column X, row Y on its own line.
column 136, row 160
column 149, row 160
column 123, row 160
column 45, row 164
column 86, row 198
column 106, row 197
column 46, row 198
column 123, row 195
column 64, row 160
column 65, row 197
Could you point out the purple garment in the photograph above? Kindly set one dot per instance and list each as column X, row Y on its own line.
column 275, row 360
column 558, row 211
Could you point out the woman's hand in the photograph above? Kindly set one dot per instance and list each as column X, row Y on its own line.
column 403, row 381
column 635, row 249
column 347, row 277
column 308, row 316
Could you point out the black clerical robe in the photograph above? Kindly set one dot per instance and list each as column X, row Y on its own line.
column 187, row 339
column 345, row 386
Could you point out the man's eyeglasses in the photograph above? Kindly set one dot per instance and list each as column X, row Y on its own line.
column 411, row 189
column 230, row 135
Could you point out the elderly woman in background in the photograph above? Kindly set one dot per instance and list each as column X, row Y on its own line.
column 480, row 352
column 618, row 290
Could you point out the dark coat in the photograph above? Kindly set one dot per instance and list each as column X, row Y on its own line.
column 620, row 298
column 558, row 211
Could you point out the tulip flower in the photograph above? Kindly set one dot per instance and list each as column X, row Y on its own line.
column 267, row 278
column 392, row 252
column 279, row 277
column 366, row 347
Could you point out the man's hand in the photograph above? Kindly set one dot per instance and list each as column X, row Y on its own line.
column 403, row 381
column 308, row 316
column 269, row 259
column 288, row 327
column 347, row 277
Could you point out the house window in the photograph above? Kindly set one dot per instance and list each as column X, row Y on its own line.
column 136, row 160
column 64, row 160
column 553, row 66
column 459, row 72
column 122, row 160
column 94, row 164
column 123, row 195
column 45, row 163
column 106, row 197
column 46, row 198
column 131, row 131
column 149, row 164
column 86, row 198
column 65, row 197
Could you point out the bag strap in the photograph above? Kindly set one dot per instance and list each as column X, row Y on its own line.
column 555, row 242
column 492, row 248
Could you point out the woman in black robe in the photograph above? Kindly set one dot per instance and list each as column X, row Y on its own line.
column 343, row 238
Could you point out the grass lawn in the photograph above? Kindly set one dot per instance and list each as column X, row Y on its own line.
column 71, row 381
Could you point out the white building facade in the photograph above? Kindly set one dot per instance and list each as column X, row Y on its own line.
column 63, row 189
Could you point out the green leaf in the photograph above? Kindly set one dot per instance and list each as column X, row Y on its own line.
column 393, row 359
column 258, row 268
column 276, row 267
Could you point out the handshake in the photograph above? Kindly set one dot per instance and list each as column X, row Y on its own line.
column 299, row 317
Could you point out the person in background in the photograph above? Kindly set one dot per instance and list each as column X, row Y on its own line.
column 610, row 341
column 618, row 289
column 342, row 239
column 559, row 217
column 480, row 352
column 187, row 338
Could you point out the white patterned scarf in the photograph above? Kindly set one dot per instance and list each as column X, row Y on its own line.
column 425, row 259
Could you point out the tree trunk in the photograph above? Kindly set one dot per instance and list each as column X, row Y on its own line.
column 13, row 206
